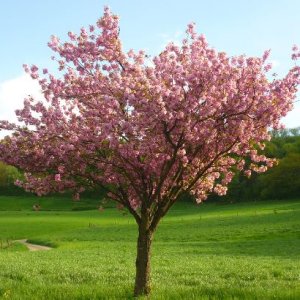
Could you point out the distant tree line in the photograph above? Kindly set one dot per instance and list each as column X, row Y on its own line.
column 280, row 182
column 8, row 175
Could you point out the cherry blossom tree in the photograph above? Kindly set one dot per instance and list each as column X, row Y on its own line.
column 146, row 130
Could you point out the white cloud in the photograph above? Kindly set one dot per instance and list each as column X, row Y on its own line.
column 12, row 94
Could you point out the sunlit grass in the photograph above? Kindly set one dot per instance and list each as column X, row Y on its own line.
column 238, row 251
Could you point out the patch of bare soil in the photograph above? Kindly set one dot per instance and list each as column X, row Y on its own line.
column 33, row 247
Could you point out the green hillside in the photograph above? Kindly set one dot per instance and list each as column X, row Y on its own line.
column 211, row 251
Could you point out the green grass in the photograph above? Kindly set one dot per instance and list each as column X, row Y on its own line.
column 237, row 251
column 50, row 203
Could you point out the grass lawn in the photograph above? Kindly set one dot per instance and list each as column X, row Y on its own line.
column 211, row 251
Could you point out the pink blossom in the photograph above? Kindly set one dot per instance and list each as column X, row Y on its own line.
column 34, row 68
column 57, row 177
column 247, row 173
column 266, row 55
column 61, row 169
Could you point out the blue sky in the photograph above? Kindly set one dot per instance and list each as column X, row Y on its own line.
column 236, row 27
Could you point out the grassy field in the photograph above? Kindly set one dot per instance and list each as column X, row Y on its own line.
column 211, row 251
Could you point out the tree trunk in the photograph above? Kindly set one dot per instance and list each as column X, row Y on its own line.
column 142, row 278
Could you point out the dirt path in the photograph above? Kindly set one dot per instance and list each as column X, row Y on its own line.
column 33, row 247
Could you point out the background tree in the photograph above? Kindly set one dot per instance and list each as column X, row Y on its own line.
column 146, row 131
column 283, row 181
column 280, row 182
column 8, row 175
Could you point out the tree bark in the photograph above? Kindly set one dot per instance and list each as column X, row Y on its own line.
column 142, row 279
